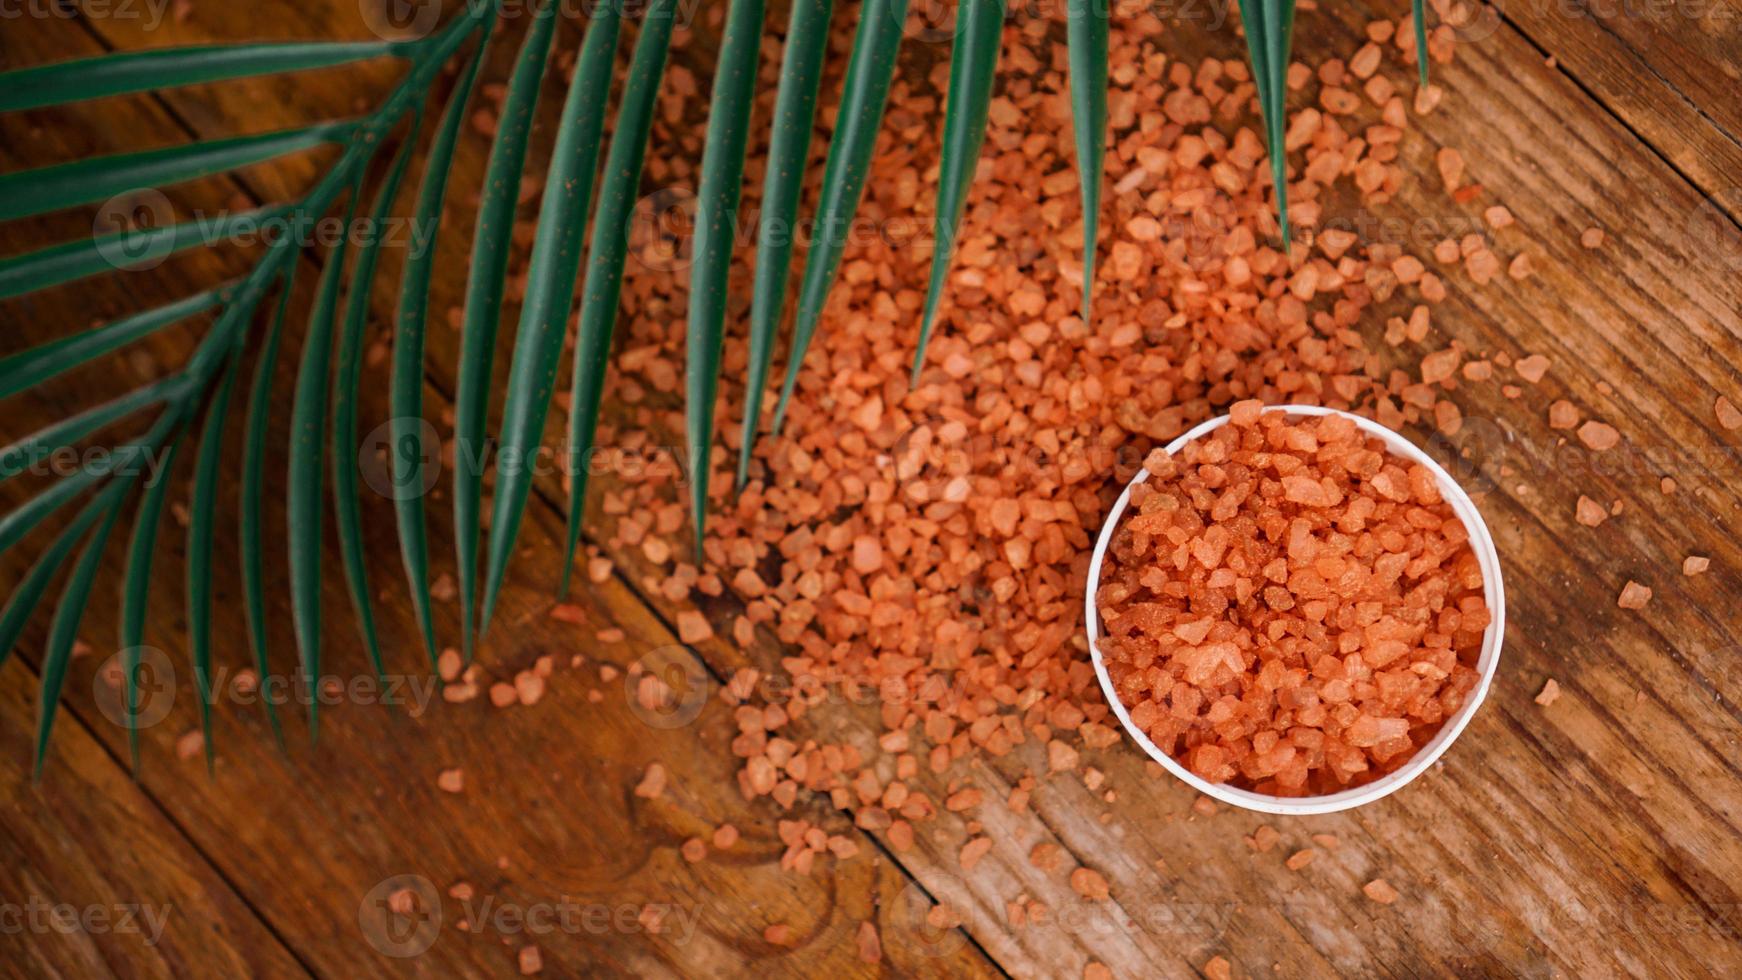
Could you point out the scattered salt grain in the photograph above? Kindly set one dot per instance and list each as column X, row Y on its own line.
column 652, row 782
column 1729, row 416
column 1550, row 691
column 1633, row 596
column 1532, row 368
column 1089, row 883
column 1695, row 565
column 1380, row 890
column 1599, row 436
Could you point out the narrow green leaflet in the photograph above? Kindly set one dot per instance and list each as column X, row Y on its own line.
column 347, row 508
column 30, row 589
column 869, row 71
column 126, row 460
column 618, row 188
column 63, row 630
column 141, row 549
column 973, row 65
column 1418, row 14
column 406, row 426
column 19, row 456
column 1279, row 38
column 489, row 268
column 254, row 493
column 716, row 233
column 550, row 291
column 32, row 367
column 161, row 68
column 201, row 513
column 308, row 433
column 1086, row 37
column 86, row 257
column 795, row 109
column 67, row 185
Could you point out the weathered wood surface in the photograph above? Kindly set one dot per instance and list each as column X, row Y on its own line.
column 1594, row 836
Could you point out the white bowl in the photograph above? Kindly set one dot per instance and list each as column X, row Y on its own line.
column 1494, row 594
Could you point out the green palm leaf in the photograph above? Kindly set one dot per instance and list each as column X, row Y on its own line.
column 80, row 259
column 140, row 551
column 16, row 458
column 716, row 232
column 609, row 249
column 406, row 384
column 67, row 185
column 869, row 71
column 489, row 269
column 795, row 109
column 36, row 365
column 550, row 291
column 140, row 71
column 1418, row 10
column 254, row 494
column 347, row 508
column 973, row 65
column 201, row 512
column 30, row 589
column 64, row 629
column 1086, row 26
column 307, row 445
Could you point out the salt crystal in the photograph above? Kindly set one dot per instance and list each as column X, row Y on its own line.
column 1633, row 596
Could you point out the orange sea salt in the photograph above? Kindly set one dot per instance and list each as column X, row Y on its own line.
column 1289, row 608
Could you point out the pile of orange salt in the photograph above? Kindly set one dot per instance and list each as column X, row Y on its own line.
column 1289, row 608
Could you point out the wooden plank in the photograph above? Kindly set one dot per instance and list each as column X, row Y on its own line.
column 1669, row 71
column 98, row 881
column 544, row 823
column 1600, row 781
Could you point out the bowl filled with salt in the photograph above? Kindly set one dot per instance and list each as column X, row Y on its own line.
column 1294, row 609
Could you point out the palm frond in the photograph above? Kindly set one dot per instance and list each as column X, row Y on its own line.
column 253, row 494
column 99, row 178
column 1418, row 15
column 201, row 513
column 137, row 589
column 1086, row 37
column 550, row 291
column 406, row 383
column 607, row 253
column 139, row 71
column 308, row 434
column 484, row 290
column 869, row 71
column 207, row 377
column 973, row 65
column 795, row 109
column 347, row 506
column 716, row 233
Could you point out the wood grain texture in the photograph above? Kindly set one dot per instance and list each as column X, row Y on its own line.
column 1593, row 837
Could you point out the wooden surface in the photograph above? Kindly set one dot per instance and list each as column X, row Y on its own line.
column 1601, row 835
